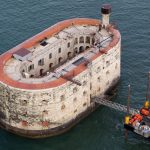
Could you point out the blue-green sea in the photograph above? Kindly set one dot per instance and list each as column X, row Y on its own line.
column 103, row 129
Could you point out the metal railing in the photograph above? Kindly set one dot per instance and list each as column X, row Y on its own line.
column 104, row 101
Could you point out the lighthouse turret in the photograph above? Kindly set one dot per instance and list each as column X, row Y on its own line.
column 105, row 10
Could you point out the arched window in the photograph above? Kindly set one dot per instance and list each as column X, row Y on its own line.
column 75, row 50
column 31, row 67
column 45, row 112
column 68, row 45
column 24, row 102
column 69, row 54
column 41, row 72
column 107, row 63
column 63, row 107
column 31, row 76
column 50, row 65
column 81, row 39
column 60, row 59
column 41, row 62
column 59, row 50
column 84, row 93
column 81, row 49
column 87, row 47
column 93, row 40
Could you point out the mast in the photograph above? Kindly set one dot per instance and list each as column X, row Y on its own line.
column 148, row 87
column 146, row 104
column 128, row 102
column 127, row 117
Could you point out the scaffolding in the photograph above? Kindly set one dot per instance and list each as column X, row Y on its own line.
column 104, row 101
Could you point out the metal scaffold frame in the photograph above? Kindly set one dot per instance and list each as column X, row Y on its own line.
column 114, row 105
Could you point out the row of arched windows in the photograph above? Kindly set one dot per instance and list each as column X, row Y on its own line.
column 80, row 49
column 82, row 40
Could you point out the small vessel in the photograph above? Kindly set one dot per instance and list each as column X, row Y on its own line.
column 139, row 123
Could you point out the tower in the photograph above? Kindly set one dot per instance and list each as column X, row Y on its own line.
column 105, row 10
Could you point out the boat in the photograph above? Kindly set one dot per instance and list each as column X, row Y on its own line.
column 47, row 82
column 139, row 123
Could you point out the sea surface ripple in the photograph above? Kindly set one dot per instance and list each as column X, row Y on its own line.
column 103, row 129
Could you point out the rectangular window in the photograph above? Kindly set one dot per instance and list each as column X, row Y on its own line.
column 41, row 62
column 68, row 45
column 59, row 50
column 88, row 39
column 50, row 55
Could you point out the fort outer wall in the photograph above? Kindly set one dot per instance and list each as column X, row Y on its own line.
column 42, row 109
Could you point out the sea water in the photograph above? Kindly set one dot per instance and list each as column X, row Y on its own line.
column 103, row 129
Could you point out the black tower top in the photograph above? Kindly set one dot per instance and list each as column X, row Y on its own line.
column 106, row 9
